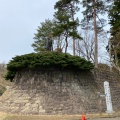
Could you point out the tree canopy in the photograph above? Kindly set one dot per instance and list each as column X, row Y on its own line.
column 44, row 33
column 63, row 29
column 64, row 25
column 114, row 21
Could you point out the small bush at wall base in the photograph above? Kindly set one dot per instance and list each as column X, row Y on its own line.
column 46, row 60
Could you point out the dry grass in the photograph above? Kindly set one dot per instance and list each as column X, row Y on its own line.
column 41, row 118
column 5, row 116
column 3, row 82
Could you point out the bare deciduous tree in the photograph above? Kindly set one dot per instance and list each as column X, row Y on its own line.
column 85, row 47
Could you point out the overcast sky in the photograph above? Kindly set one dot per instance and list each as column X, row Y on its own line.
column 19, row 20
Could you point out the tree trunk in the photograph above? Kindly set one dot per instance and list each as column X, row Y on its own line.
column 72, row 13
column 96, row 39
column 110, row 55
column 66, row 44
column 73, row 47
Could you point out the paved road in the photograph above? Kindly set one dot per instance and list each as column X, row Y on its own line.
column 116, row 118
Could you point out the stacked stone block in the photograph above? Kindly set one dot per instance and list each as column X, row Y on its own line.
column 59, row 92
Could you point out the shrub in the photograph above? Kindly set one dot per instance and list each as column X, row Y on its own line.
column 46, row 60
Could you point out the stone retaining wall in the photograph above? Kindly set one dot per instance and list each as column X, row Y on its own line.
column 101, row 76
column 59, row 92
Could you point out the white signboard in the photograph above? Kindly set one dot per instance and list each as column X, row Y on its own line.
column 108, row 97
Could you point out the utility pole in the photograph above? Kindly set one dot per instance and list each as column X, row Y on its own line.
column 95, row 33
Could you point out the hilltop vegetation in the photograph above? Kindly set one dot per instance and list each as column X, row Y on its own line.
column 46, row 60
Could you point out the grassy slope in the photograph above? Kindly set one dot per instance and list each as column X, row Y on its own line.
column 3, row 82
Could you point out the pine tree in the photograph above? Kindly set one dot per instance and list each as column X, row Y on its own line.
column 114, row 18
column 69, row 7
column 44, row 33
column 94, row 8
column 64, row 27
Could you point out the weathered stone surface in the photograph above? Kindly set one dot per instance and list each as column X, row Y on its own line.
column 59, row 92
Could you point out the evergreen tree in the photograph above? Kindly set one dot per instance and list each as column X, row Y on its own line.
column 94, row 8
column 68, row 8
column 43, row 36
column 64, row 27
column 114, row 18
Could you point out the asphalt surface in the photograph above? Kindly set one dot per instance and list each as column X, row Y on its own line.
column 115, row 118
